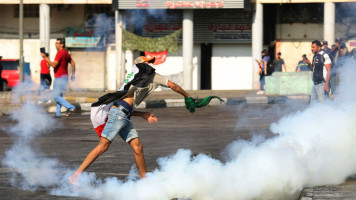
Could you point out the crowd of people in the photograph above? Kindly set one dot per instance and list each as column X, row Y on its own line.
column 338, row 55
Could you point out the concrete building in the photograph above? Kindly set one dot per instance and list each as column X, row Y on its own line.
column 220, row 39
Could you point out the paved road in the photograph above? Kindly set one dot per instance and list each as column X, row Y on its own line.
column 207, row 131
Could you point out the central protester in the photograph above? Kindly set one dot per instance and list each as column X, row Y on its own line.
column 111, row 114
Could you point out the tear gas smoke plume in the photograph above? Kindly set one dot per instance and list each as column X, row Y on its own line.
column 311, row 147
column 32, row 121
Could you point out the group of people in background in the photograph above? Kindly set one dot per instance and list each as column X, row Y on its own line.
column 268, row 65
column 338, row 54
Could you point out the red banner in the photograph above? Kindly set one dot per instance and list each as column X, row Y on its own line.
column 160, row 56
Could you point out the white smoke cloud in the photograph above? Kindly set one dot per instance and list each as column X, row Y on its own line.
column 310, row 147
column 31, row 169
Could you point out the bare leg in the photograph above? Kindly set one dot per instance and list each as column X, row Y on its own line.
column 137, row 148
column 96, row 152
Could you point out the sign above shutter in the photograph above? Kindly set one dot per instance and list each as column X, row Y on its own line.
column 180, row 4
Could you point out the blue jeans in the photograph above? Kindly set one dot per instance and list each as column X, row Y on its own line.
column 59, row 86
column 119, row 123
column 318, row 94
column 262, row 81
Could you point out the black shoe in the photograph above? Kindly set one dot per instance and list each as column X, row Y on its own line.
column 57, row 116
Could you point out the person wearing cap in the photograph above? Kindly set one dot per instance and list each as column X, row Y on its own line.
column 278, row 62
column 326, row 49
column 303, row 64
column 111, row 114
column 321, row 67
column 335, row 48
column 340, row 60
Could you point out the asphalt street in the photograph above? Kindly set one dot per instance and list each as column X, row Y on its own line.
column 209, row 130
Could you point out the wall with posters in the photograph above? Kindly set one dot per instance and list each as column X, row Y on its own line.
column 230, row 34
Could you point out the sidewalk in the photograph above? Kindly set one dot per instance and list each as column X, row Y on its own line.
column 162, row 99
column 168, row 98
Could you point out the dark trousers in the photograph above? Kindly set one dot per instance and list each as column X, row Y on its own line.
column 46, row 81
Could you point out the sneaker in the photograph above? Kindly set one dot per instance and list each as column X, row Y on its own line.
column 262, row 92
column 57, row 116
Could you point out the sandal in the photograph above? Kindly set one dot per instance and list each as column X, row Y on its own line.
column 69, row 113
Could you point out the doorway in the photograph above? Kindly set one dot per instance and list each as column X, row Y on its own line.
column 205, row 66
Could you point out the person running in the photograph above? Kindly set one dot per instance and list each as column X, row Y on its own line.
column 111, row 114
column 60, row 65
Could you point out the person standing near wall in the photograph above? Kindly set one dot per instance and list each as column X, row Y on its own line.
column 60, row 65
column 46, row 79
column 263, row 70
column 326, row 49
column 303, row 65
column 278, row 63
column 321, row 67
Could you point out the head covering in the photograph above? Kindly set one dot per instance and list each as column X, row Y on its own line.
column 143, row 59
column 325, row 42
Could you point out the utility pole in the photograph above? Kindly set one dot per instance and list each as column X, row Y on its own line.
column 21, row 39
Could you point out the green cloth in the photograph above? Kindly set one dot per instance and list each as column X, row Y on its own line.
column 191, row 103
column 132, row 41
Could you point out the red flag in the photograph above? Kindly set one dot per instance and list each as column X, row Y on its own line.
column 160, row 56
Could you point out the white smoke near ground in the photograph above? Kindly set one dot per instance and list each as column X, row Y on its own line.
column 31, row 169
column 311, row 147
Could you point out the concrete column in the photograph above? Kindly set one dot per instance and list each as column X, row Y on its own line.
column 188, row 36
column 118, row 41
column 329, row 22
column 257, row 42
column 45, row 26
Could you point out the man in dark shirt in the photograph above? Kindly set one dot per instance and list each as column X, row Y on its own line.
column 278, row 63
column 321, row 67
column 326, row 49
column 335, row 48
column 303, row 65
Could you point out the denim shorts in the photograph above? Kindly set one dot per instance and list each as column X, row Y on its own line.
column 119, row 123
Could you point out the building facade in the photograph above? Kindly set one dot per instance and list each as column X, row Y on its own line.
column 219, row 43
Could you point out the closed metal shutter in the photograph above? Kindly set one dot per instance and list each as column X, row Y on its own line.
column 90, row 70
column 210, row 26
column 227, row 26
column 180, row 4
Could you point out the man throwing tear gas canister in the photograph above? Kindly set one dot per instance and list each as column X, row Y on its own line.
column 111, row 114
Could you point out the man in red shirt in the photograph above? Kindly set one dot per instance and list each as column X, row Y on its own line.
column 46, row 79
column 60, row 65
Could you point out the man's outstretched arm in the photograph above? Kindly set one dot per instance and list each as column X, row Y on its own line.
column 177, row 89
column 151, row 118
column 52, row 64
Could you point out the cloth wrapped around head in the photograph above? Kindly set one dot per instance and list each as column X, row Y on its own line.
column 191, row 103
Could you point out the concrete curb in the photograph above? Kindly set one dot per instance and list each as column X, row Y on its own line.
column 83, row 105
